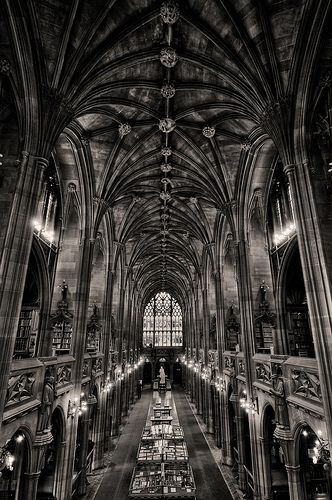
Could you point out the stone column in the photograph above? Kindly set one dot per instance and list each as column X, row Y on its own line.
column 15, row 258
column 32, row 479
column 225, row 438
column 294, row 482
column 86, row 415
column 317, row 277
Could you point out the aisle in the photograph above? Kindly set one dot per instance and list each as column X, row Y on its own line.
column 209, row 481
column 116, row 480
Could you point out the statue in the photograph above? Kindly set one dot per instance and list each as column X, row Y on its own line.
column 44, row 421
column 262, row 290
column 280, row 401
column 162, row 375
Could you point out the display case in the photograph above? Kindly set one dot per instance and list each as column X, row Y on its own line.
column 162, row 481
column 174, row 451
column 150, row 451
column 162, row 431
column 162, row 411
column 165, row 419
column 146, row 482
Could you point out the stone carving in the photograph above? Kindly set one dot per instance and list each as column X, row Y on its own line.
column 306, row 385
column 4, row 66
column 165, row 196
column 63, row 375
column 278, row 391
column 169, row 12
column 229, row 363
column 166, row 151
column 124, row 129
column 168, row 90
column 93, row 330
column 97, row 365
column 45, row 412
column 201, row 356
column 168, row 57
column 208, row 132
column 263, row 372
column 167, row 125
column 246, row 144
column 166, row 167
column 241, row 367
column 20, row 388
column 86, row 369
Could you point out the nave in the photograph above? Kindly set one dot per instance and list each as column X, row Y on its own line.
column 116, row 481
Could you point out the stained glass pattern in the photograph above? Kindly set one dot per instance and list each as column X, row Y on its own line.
column 162, row 322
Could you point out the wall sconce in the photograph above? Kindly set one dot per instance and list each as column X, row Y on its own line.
column 107, row 386
column 249, row 406
column 7, row 459
column 76, row 407
column 321, row 450
column 220, row 384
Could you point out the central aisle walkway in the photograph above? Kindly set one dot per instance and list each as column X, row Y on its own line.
column 209, row 481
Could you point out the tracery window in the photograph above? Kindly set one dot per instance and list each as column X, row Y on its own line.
column 162, row 322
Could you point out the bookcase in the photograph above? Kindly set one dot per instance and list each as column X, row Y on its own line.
column 62, row 334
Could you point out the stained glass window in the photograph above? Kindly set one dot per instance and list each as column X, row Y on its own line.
column 162, row 322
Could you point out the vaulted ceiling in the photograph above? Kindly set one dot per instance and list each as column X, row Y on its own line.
column 167, row 103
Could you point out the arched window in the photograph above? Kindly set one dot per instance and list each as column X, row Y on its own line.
column 162, row 322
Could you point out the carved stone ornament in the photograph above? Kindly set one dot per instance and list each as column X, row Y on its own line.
column 168, row 57
column 86, row 369
column 229, row 363
column 208, row 132
column 63, row 375
column 124, row 129
column 4, row 66
column 20, row 388
column 168, row 90
column 169, row 12
column 165, row 181
column 164, row 217
column 167, row 125
column 306, row 385
column 246, row 144
column 263, row 372
column 164, row 232
column 166, row 151
column 165, row 167
column 241, row 367
column 165, row 196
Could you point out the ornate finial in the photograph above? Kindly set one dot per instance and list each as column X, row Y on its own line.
column 166, row 151
column 169, row 12
column 165, row 167
column 168, row 57
column 208, row 131
column 5, row 66
column 167, row 125
column 165, row 196
column 168, row 90
column 124, row 129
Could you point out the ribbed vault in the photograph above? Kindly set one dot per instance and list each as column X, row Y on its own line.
column 166, row 113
